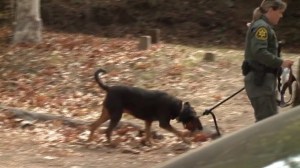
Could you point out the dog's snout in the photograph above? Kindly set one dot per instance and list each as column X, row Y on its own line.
column 193, row 125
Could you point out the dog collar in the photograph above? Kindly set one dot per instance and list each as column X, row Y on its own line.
column 182, row 106
column 181, row 110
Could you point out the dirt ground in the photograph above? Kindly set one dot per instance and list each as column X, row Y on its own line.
column 21, row 149
column 56, row 77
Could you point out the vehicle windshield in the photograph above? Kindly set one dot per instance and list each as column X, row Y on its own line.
column 290, row 162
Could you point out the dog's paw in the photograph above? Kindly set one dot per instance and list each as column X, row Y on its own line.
column 185, row 134
column 147, row 142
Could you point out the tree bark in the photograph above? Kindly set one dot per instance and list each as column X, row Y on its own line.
column 28, row 23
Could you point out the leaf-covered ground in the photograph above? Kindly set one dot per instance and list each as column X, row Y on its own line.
column 56, row 77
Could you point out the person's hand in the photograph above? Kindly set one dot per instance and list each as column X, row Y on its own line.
column 287, row 63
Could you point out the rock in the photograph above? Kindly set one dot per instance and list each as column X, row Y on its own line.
column 145, row 43
column 209, row 57
column 130, row 151
column 180, row 147
column 27, row 124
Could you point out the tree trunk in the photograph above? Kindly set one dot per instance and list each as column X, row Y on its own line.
column 28, row 23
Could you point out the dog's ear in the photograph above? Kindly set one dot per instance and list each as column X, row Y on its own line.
column 187, row 104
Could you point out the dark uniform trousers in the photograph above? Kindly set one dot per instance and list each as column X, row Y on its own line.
column 262, row 97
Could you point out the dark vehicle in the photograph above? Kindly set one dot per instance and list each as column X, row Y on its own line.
column 271, row 143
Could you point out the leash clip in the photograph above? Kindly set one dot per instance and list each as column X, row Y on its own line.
column 207, row 112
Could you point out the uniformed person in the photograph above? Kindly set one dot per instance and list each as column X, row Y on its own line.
column 261, row 58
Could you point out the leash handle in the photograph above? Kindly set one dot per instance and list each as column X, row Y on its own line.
column 287, row 77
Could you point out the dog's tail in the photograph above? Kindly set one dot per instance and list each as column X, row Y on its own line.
column 98, row 80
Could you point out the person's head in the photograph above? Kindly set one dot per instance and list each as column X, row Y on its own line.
column 272, row 9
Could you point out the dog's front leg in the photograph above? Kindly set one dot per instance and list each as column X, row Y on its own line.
column 168, row 127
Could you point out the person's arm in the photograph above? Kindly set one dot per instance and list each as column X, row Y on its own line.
column 259, row 44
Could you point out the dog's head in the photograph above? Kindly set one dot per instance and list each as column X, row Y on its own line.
column 189, row 118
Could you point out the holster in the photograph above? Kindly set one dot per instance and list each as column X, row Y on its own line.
column 259, row 71
column 245, row 68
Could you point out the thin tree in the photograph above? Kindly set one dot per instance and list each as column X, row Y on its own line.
column 28, row 23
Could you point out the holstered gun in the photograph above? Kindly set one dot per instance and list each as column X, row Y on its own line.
column 259, row 71
column 245, row 68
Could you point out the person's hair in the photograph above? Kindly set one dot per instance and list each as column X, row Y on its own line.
column 265, row 6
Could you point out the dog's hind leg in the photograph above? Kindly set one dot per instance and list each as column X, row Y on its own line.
column 104, row 117
column 148, row 138
column 114, row 120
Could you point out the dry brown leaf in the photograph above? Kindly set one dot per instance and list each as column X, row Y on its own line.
column 200, row 137
column 40, row 100
column 217, row 97
column 175, row 70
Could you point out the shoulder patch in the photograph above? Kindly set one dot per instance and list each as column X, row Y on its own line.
column 261, row 33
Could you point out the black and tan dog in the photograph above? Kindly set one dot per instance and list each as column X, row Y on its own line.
column 144, row 104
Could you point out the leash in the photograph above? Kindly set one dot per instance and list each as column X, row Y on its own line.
column 286, row 75
column 210, row 111
column 288, row 84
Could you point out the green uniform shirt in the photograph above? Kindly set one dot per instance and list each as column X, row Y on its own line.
column 261, row 48
column 262, row 44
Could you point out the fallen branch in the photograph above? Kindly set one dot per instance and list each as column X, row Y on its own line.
column 28, row 115
column 33, row 116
